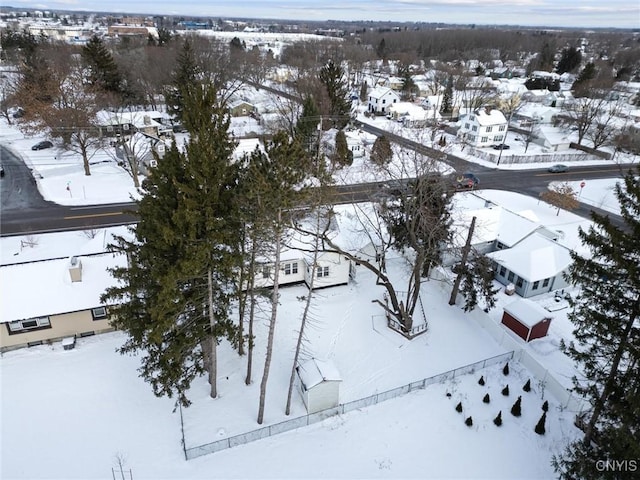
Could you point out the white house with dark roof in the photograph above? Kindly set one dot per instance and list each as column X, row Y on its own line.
column 380, row 99
column 483, row 127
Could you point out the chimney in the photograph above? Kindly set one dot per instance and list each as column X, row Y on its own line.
column 147, row 120
column 488, row 109
column 75, row 269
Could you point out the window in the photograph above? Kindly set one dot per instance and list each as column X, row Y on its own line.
column 21, row 326
column 519, row 282
column 484, row 139
column 535, row 285
column 322, row 272
column 497, row 138
column 475, row 128
column 510, row 277
column 489, row 129
column 99, row 313
column 502, row 128
column 545, row 283
column 472, row 118
column 384, row 101
column 503, row 270
column 466, row 126
column 266, row 272
column 291, row 268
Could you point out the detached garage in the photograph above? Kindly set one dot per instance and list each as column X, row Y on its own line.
column 527, row 319
column 319, row 385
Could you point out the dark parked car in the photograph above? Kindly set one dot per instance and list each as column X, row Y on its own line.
column 466, row 180
column 501, row 147
column 559, row 168
column 42, row 145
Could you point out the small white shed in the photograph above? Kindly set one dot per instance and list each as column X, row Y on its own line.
column 319, row 384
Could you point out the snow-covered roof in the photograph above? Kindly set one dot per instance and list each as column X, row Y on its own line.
column 39, row 289
column 313, row 372
column 380, row 92
column 534, row 258
column 527, row 312
column 553, row 135
column 413, row 111
column 492, row 117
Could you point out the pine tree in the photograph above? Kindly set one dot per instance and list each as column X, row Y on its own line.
column 469, row 422
column 185, row 78
column 545, row 406
column 486, row 398
column 527, row 386
column 569, row 61
column 173, row 300
column 446, row 107
column 516, row 409
column 306, row 130
column 539, row 428
column 334, row 81
column 498, row 420
column 505, row 370
column 381, row 152
column 505, row 391
column 607, row 335
column 363, row 91
column 481, row 381
column 459, row 407
column 343, row 156
column 104, row 75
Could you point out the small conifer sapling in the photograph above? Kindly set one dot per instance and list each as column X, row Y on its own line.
column 505, row 391
column 540, row 430
column 469, row 421
column 505, row 370
column 498, row 420
column 516, row 410
column 545, row 406
column 527, row 386
column 459, row 407
column 486, row 398
column 481, row 381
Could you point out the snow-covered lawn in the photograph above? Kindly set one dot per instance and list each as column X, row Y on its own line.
column 76, row 410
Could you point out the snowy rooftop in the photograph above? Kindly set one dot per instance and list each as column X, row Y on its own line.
column 534, row 258
column 493, row 117
column 45, row 288
column 527, row 312
column 313, row 372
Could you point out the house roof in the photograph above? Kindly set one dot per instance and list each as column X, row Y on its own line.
column 380, row 92
column 527, row 312
column 493, row 117
column 413, row 111
column 44, row 288
column 553, row 135
column 313, row 372
column 534, row 258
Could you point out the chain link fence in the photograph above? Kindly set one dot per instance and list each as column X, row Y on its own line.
column 299, row 422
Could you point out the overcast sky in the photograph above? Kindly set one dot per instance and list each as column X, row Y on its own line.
column 553, row 13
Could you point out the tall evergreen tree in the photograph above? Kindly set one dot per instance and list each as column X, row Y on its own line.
column 334, row 81
column 306, row 131
column 447, row 98
column 606, row 317
column 381, row 152
column 103, row 70
column 185, row 77
column 569, row 61
column 342, row 156
column 173, row 297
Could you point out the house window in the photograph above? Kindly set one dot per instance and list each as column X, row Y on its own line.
column 497, row 138
column 502, row 128
column 384, row 101
column 510, row 277
column 545, row 283
column 290, row 268
column 475, row 128
column 29, row 324
column 322, row 272
column 489, row 129
column 519, row 282
column 266, row 272
column 99, row 313
column 535, row 285
column 503, row 270
column 484, row 139
column 466, row 126
column 472, row 118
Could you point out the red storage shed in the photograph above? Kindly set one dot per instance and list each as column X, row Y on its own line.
column 527, row 319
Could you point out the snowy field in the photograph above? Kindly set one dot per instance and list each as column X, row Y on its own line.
column 79, row 409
